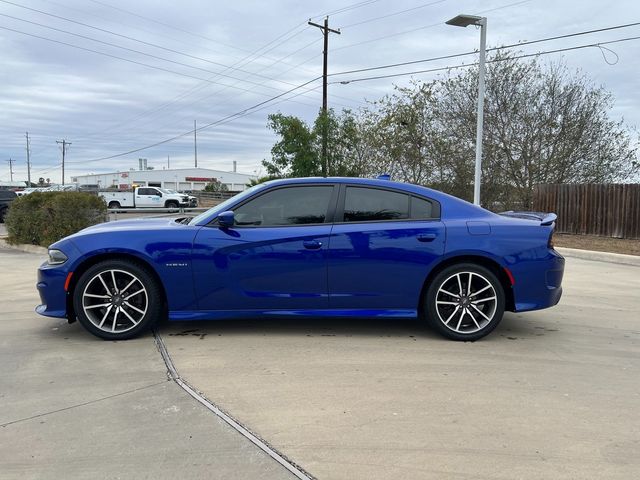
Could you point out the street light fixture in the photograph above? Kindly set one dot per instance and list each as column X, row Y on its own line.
column 465, row 21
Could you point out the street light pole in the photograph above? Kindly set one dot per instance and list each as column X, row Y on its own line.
column 465, row 21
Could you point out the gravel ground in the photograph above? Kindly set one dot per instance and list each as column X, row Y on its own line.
column 599, row 244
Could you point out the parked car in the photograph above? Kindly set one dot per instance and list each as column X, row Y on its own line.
column 6, row 197
column 345, row 247
column 193, row 201
column 145, row 197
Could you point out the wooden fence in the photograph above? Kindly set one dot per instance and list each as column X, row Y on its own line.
column 608, row 210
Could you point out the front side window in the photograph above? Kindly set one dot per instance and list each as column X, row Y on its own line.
column 286, row 206
column 370, row 204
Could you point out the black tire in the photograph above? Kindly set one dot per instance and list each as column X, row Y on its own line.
column 459, row 315
column 128, row 315
column 3, row 212
column 114, row 205
column 171, row 204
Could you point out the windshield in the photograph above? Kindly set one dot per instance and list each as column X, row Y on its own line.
column 166, row 190
column 225, row 205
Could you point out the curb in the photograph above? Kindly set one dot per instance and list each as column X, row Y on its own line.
column 25, row 247
column 618, row 258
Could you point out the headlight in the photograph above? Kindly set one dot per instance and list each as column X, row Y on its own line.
column 56, row 257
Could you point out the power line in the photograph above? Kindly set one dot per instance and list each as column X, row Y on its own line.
column 346, row 9
column 519, row 44
column 451, row 67
column 127, row 37
column 219, row 74
column 173, row 27
column 255, row 107
column 404, row 32
column 155, row 67
column 369, row 20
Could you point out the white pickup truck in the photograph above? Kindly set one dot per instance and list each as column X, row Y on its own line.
column 144, row 197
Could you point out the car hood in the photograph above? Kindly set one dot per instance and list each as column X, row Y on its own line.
column 136, row 224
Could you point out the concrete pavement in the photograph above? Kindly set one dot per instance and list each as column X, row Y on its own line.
column 550, row 394
column 73, row 406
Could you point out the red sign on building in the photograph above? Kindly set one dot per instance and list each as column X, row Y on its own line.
column 199, row 179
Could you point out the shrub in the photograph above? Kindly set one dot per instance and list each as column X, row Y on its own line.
column 42, row 218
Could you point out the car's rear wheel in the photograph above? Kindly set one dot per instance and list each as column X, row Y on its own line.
column 117, row 299
column 465, row 302
column 114, row 205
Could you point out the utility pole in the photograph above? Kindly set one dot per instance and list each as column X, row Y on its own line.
column 10, row 162
column 195, row 143
column 168, row 164
column 65, row 144
column 28, row 161
column 325, row 32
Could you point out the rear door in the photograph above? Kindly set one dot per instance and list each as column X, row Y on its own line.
column 381, row 248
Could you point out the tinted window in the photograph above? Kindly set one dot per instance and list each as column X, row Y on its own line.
column 421, row 209
column 146, row 191
column 366, row 204
column 286, row 206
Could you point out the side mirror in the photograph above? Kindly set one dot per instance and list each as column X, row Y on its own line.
column 226, row 219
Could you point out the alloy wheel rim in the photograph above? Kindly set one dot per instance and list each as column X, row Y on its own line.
column 115, row 301
column 466, row 302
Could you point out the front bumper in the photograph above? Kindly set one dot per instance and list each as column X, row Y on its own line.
column 53, row 298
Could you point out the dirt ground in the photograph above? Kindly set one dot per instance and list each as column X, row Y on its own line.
column 600, row 244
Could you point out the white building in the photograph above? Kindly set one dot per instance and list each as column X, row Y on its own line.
column 174, row 179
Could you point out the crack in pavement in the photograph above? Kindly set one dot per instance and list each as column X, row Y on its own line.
column 173, row 374
column 70, row 407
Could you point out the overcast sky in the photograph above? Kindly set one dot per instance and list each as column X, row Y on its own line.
column 206, row 60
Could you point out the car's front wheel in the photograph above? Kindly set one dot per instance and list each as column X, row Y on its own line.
column 465, row 302
column 117, row 299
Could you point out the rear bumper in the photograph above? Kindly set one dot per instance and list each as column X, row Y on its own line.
column 538, row 283
column 53, row 298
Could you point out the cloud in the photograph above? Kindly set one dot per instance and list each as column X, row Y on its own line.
column 106, row 106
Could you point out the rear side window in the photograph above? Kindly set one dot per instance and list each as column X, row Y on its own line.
column 422, row 209
column 286, row 206
column 370, row 204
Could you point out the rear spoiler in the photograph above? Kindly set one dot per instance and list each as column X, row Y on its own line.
column 545, row 219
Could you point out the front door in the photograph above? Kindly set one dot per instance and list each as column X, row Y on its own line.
column 275, row 256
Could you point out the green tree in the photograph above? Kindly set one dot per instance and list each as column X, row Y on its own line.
column 543, row 124
column 295, row 154
column 215, row 186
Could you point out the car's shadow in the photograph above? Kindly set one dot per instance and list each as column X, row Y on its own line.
column 343, row 327
column 512, row 327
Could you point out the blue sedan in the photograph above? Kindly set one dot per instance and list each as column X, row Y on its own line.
column 312, row 247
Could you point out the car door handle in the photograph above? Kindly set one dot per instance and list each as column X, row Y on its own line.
column 427, row 237
column 312, row 244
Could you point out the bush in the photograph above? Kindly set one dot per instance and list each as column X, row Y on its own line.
column 42, row 218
